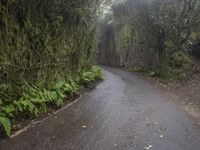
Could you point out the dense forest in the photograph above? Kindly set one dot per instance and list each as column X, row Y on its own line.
column 153, row 36
column 47, row 50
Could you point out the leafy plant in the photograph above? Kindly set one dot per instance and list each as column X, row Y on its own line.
column 26, row 106
column 35, row 100
column 98, row 72
column 5, row 122
column 92, row 75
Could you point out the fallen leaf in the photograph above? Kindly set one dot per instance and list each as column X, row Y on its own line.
column 148, row 147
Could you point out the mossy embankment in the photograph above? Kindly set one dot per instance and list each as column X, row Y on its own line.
column 47, row 49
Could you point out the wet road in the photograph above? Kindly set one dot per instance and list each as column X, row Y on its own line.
column 125, row 112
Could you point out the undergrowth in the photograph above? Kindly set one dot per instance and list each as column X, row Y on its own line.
column 35, row 100
column 174, row 70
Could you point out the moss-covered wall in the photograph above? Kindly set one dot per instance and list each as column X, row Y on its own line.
column 42, row 41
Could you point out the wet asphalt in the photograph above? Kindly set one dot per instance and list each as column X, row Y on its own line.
column 124, row 112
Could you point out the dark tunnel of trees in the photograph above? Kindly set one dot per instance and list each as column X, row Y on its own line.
column 48, row 48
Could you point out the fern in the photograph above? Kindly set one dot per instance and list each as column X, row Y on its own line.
column 35, row 100
column 27, row 107
column 92, row 75
column 8, row 110
column 98, row 72
column 5, row 122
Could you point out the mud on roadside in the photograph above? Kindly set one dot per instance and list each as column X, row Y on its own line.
column 187, row 91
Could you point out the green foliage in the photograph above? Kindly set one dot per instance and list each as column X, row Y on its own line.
column 92, row 75
column 152, row 73
column 180, row 59
column 149, row 35
column 70, row 88
column 98, row 72
column 5, row 122
column 42, row 44
column 35, row 100
column 26, row 106
column 8, row 110
column 138, row 69
column 175, row 74
column 127, row 36
column 5, row 113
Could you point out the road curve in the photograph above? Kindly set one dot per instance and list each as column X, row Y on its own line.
column 125, row 112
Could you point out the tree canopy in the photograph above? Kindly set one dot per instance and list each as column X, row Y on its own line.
column 151, row 33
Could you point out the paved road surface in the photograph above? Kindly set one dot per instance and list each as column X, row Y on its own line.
column 125, row 112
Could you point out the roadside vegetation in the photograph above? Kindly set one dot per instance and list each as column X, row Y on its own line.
column 157, row 37
column 47, row 53
column 36, row 100
column 49, row 48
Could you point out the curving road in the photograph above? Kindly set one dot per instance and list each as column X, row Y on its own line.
column 125, row 112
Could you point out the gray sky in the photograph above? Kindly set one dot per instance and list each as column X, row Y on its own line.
column 106, row 8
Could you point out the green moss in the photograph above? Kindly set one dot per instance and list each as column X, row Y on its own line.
column 138, row 69
column 181, row 59
column 41, row 43
column 176, row 74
